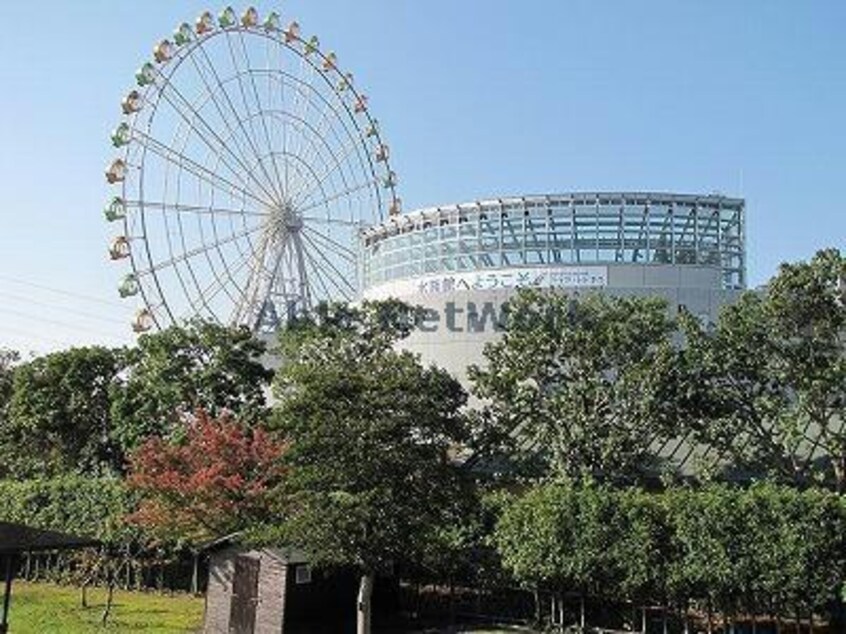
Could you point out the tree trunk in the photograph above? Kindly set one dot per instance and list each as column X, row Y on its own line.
column 84, row 597
column 643, row 620
column 710, row 619
column 561, row 610
column 451, row 604
column 363, row 611
column 109, row 597
column 840, row 474
column 582, row 612
column 537, row 607
column 195, row 580
column 9, row 574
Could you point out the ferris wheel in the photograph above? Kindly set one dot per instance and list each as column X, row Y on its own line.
column 249, row 163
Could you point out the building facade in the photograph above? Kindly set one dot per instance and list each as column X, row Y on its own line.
column 463, row 262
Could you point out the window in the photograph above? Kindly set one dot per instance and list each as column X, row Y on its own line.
column 302, row 574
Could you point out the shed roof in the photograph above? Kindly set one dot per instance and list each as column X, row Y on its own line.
column 19, row 538
column 285, row 554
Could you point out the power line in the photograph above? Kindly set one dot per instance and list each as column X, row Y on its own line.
column 61, row 324
column 88, row 298
column 38, row 337
column 64, row 309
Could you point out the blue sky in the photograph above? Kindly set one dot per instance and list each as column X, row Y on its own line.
column 478, row 98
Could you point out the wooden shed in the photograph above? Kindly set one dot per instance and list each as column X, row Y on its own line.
column 271, row 591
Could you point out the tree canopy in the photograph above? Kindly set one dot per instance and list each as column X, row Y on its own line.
column 580, row 384
column 369, row 432
column 215, row 482
column 58, row 418
column 768, row 382
column 172, row 373
column 766, row 549
column 8, row 359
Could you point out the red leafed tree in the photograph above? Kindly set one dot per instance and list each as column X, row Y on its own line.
column 216, row 481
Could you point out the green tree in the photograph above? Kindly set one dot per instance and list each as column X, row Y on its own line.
column 641, row 550
column 574, row 537
column 766, row 549
column 768, row 384
column 369, row 430
column 58, row 417
column 583, row 384
column 172, row 373
column 8, row 359
column 801, row 551
column 708, row 542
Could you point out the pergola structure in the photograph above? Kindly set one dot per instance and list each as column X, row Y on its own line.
column 17, row 539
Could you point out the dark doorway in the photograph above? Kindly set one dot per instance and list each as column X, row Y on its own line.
column 242, row 609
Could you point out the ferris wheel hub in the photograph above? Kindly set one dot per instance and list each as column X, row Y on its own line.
column 284, row 219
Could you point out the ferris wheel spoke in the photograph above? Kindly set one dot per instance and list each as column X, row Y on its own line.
column 325, row 258
column 309, row 262
column 306, row 93
column 270, row 45
column 282, row 101
column 191, row 274
column 346, row 252
column 304, row 78
column 211, row 292
column 316, row 142
column 203, row 173
column 327, row 281
column 245, row 135
column 222, row 147
column 261, row 109
column 348, row 191
column 334, row 113
column 253, row 285
column 273, row 278
column 302, row 197
column 221, row 256
column 195, row 252
column 211, row 91
column 297, row 269
column 324, row 126
column 333, row 221
column 195, row 209
column 316, row 157
column 322, row 276
column 253, row 135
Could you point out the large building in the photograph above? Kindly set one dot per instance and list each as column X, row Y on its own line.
column 462, row 262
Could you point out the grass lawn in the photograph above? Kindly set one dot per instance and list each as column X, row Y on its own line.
column 38, row 608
